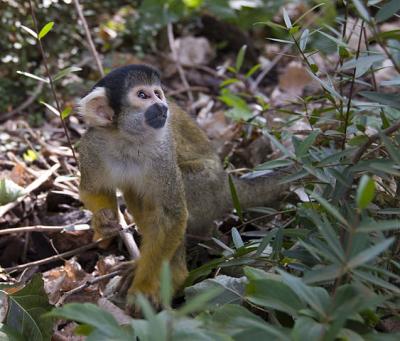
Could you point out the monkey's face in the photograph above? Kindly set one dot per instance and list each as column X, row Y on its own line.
column 145, row 109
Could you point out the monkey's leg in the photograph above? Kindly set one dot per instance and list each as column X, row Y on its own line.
column 103, row 205
column 162, row 235
column 178, row 265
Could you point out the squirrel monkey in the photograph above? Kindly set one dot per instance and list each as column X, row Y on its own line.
column 163, row 163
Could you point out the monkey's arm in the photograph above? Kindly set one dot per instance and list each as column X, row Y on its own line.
column 97, row 198
column 103, row 205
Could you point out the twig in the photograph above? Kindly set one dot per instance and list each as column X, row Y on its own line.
column 353, row 78
column 5, row 116
column 31, row 187
column 93, row 50
column 43, row 228
column 36, row 28
column 127, row 238
column 372, row 139
column 87, row 284
column 56, row 257
column 192, row 88
column 269, row 67
column 178, row 63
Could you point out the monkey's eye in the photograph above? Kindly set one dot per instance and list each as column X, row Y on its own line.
column 158, row 94
column 141, row 94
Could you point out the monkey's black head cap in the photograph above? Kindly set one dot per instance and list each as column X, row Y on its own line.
column 118, row 82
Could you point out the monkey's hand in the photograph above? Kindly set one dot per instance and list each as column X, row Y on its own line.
column 105, row 214
column 105, row 225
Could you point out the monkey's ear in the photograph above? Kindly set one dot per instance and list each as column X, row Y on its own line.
column 94, row 108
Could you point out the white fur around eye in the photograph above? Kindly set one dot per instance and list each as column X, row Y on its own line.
column 94, row 108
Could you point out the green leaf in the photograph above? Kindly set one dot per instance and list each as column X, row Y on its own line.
column 265, row 242
column 307, row 12
column 387, row 10
column 237, row 239
column 331, row 209
column 343, row 52
column 231, row 290
column 305, row 145
column 306, row 328
column 326, row 86
column 274, row 294
column 361, row 9
column 9, row 334
column 30, row 75
column 375, row 226
column 66, row 72
column 51, row 108
column 30, row 31
column 279, row 145
column 46, row 29
column 391, row 148
column 324, row 274
column 243, row 325
column 166, row 290
column 200, row 301
column 365, row 256
column 314, row 68
column 362, row 64
column 293, row 30
column 253, row 70
column 235, row 198
column 304, row 39
column 240, row 58
column 365, row 191
column 391, row 100
column 375, row 280
column 66, row 112
column 25, row 310
column 9, row 191
column 286, row 18
column 393, row 81
column 316, row 297
column 102, row 321
column 273, row 164
column 358, row 140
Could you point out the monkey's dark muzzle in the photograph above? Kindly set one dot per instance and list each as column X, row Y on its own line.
column 156, row 115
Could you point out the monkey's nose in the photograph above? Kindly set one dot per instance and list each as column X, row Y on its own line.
column 163, row 110
column 156, row 115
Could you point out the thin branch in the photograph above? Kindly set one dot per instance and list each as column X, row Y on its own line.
column 36, row 28
column 56, row 257
column 87, row 284
column 5, row 116
column 89, row 39
column 346, row 122
column 388, row 131
column 30, row 188
column 43, row 228
column 181, row 72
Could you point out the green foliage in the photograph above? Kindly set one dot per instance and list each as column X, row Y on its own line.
column 24, row 320
column 328, row 268
column 9, row 191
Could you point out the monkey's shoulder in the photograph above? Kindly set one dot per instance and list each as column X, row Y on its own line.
column 191, row 141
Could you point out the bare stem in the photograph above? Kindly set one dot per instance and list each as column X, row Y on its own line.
column 93, row 50
column 182, row 75
column 53, row 91
column 346, row 120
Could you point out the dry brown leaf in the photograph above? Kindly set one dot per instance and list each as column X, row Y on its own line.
column 294, row 79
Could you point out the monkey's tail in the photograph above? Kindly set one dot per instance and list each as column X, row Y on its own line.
column 262, row 190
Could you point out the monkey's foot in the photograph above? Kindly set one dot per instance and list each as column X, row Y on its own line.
column 148, row 289
column 135, row 305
